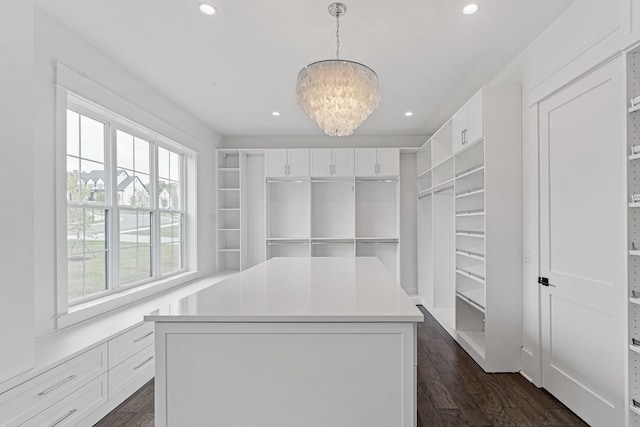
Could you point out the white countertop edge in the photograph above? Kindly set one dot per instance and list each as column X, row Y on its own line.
column 288, row 318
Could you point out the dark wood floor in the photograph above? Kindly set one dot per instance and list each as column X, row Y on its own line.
column 452, row 391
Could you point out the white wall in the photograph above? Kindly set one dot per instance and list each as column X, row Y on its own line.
column 321, row 141
column 16, row 174
column 586, row 34
column 54, row 43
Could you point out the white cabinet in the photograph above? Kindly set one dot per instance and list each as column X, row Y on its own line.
column 468, row 122
column 282, row 163
column 327, row 162
column 377, row 162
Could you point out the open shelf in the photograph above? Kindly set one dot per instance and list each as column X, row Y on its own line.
column 376, row 209
column 333, row 209
column 475, row 296
column 471, row 255
column 473, row 276
column 288, row 210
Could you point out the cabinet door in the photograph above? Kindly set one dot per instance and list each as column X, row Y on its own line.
column 321, row 162
column 299, row 162
column 475, row 118
column 388, row 161
column 343, row 165
column 459, row 126
column 275, row 163
column 366, row 161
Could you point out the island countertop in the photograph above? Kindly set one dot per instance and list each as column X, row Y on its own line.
column 300, row 290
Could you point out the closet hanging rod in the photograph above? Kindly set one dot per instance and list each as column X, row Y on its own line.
column 376, row 179
column 332, row 180
column 448, row 187
column 300, row 181
column 284, row 242
column 422, row 196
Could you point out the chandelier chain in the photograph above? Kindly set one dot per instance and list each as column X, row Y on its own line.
column 338, row 35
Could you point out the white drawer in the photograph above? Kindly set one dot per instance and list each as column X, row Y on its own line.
column 129, row 343
column 134, row 371
column 33, row 396
column 72, row 409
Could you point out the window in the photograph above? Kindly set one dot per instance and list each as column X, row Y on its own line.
column 125, row 205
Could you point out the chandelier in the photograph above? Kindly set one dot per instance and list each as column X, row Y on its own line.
column 337, row 94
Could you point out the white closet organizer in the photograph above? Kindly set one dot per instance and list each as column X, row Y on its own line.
column 313, row 202
column 470, row 227
column 229, row 209
column 331, row 211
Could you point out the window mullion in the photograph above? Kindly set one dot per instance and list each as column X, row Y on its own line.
column 156, row 218
column 114, row 218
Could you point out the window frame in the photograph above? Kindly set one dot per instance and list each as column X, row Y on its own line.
column 114, row 122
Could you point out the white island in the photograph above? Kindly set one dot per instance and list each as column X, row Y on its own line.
column 292, row 342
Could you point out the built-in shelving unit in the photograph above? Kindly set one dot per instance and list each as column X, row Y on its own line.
column 469, row 209
column 229, row 210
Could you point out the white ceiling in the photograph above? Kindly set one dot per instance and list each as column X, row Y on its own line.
column 233, row 69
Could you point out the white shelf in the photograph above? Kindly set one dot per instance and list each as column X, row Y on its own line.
column 470, row 172
column 471, row 255
column 228, row 229
column 634, row 205
column 472, row 276
column 442, row 162
column 470, row 193
column 423, row 174
column 634, row 108
column 229, row 250
column 228, row 169
column 229, row 209
column 228, row 189
column 633, row 300
column 471, row 213
column 476, row 298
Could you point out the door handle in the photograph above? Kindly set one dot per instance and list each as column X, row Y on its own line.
column 464, row 137
column 544, row 281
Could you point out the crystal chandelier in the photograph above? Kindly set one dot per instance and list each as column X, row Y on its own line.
column 337, row 94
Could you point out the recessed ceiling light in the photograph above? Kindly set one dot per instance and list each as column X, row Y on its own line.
column 408, row 113
column 207, row 9
column 470, row 9
column 275, row 113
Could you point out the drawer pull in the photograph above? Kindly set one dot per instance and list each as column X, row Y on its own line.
column 64, row 417
column 143, row 363
column 143, row 337
column 60, row 384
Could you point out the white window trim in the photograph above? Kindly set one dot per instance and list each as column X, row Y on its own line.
column 67, row 314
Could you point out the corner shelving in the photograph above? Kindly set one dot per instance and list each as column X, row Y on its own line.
column 229, row 210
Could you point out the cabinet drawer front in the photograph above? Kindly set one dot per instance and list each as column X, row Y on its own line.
column 139, row 367
column 129, row 343
column 72, row 409
column 37, row 394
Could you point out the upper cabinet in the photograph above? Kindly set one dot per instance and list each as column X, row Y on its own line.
column 327, row 163
column 282, row 163
column 372, row 162
column 468, row 122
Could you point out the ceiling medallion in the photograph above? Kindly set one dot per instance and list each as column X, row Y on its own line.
column 338, row 94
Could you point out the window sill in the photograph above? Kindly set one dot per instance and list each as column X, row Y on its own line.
column 90, row 309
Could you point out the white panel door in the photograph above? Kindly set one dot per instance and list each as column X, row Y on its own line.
column 366, row 161
column 388, row 161
column 343, row 163
column 299, row 162
column 275, row 163
column 582, row 244
column 321, row 162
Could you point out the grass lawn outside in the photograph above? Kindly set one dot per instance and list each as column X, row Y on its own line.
column 86, row 264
